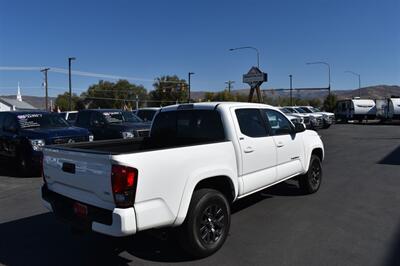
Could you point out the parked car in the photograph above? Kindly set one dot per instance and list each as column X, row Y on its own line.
column 388, row 109
column 327, row 118
column 295, row 118
column 198, row 159
column 355, row 109
column 147, row 114
column 311, row 121
column 112, row 124
column 24, row 133
column 70, row 116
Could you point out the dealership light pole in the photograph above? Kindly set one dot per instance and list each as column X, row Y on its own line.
column 249, row 47
column 291, row 90
column 46, row 87
column 69, row 79
column 329, row 72
column 359, row 80
column 189, row 74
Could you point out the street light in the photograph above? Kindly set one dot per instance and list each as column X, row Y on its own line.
column 249, row 47
column 359, row 80
column 329, row 72
column 189, row 74
column 69, row 79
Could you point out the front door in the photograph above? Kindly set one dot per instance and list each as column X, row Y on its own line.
column 288, row 143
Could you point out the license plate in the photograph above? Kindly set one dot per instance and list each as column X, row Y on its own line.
column 80, row 210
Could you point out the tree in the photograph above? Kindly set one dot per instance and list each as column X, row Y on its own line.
column 315, row 102
column 62, row 101
column 168, row 90
column 330, row 102
column 121, row 94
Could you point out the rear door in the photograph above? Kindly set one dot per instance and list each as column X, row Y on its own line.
column 289, row 145
column 258, row 150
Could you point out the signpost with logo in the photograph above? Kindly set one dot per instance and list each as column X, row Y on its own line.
column 255, row 77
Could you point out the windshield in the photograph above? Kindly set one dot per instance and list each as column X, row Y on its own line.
column 114, row 117
column 41, row 121
column 285, row 110
column 132, row 118
column 298, row 109
column 291, row 110
column 315, row 109
column 306, row 109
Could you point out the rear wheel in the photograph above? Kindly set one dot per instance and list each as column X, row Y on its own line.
column 207, row 223
column 311, row 181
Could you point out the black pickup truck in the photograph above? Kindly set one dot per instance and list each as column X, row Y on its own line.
column 24, row 133
column 112, row 124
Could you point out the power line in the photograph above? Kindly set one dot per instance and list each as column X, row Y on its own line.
column 86, row 74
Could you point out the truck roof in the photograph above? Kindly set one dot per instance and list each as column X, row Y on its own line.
column 213, row 105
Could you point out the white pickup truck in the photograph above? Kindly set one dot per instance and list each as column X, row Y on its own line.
column 199, row 159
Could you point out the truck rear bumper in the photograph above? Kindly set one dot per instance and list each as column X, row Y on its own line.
column 118, row 222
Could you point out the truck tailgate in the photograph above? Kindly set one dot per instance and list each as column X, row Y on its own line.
column 79, row 175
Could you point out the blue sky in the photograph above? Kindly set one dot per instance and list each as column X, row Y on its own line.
column 146, row 39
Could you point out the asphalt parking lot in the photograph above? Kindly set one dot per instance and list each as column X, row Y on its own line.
column 353, row 220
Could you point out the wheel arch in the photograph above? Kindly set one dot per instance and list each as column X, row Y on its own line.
column 223, row 182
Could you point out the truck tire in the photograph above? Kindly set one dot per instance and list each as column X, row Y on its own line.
column 207, row 223
column 311, row 181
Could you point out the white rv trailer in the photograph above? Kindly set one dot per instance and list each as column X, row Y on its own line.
column 388, row 109
column 355, row 109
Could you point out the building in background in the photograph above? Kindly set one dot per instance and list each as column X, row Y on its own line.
column 8, row 104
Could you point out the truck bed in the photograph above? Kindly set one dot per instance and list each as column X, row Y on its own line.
column 123, row 146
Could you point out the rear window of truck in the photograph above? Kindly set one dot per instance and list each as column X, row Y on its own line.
column 185, row 127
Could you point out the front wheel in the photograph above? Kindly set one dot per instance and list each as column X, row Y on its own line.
column 311, row 181
column 207, row 223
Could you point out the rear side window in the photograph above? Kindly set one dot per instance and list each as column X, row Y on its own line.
column 188, row 127
column 72, row 117
column 251, row 123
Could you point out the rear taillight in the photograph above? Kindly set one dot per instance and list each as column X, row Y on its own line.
column 124, row 180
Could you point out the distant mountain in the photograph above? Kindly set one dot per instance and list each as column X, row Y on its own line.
column 35, row 101
column 372, row 92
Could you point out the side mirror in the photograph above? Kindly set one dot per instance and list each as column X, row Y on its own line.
column 299, row 127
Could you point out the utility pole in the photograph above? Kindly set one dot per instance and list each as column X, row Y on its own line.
column 291, row 90
column 137, row 102
column 69, row 79
column 46, row 87
column 229, row 82
column 189, row 74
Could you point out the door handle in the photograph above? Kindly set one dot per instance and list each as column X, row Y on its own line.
column 280, row 144
column 248, row 149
